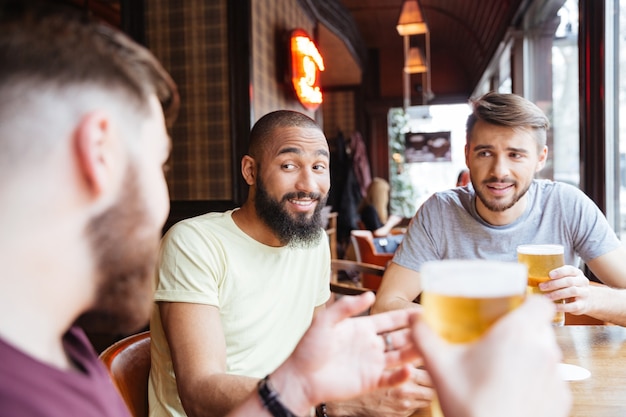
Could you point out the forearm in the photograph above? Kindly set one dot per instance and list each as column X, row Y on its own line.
column 384, row 230
column 391, row 303
column 607, row 304
column 292, row 391
column 215, row 395
column 298, row 395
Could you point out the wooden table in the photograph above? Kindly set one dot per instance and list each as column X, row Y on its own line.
column 602, row 351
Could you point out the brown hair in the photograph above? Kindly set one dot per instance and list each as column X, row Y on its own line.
column 508, row 110
column 54, row 50
column 377, row 196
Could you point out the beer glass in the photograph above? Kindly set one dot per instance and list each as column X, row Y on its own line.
column 463, row 298
column 540, row 260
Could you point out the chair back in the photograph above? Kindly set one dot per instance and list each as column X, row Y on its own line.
column 128, row 362
column 353, row 268
column 365, row 252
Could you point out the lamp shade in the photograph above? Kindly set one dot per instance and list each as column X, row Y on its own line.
column 411, row 21
column 415, row 62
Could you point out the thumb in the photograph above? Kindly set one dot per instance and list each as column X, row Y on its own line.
column 348, row 306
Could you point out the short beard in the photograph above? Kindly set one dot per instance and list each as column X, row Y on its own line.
column 495, row 207
column 125, row 250
column 296, row 232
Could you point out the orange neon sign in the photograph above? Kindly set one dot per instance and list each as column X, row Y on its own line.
column 306, row 65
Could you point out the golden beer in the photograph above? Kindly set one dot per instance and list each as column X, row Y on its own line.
column 460, row 319
column 540, row 260
column 463, row 298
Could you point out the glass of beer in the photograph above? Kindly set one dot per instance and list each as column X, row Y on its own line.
column 463, row 298
column 540, row 260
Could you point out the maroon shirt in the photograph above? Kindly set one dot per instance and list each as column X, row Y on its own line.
column 30, row 388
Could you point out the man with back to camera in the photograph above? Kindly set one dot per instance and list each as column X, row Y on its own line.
column 237, row 289
column 83, row 196
column 503, row 207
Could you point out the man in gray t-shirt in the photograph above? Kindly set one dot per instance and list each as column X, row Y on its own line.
column 503, row 207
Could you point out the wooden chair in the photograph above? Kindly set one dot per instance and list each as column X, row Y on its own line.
column 128, row 362
column 365, row 252
column 352, row 268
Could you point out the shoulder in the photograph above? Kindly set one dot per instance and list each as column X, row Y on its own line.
column 452, row 198
column 547, row 188
column 203, row 225
column 203, row 220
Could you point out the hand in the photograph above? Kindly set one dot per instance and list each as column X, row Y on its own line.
column 399, row 401
column 570, row 284
column 511, row 371
column 341, row 357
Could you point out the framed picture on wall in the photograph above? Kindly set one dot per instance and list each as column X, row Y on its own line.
column 427, row 147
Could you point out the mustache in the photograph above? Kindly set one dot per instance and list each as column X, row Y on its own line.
column 301, row 195
column 500, row 180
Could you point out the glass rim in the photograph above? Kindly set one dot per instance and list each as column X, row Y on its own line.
column 474, row 277
column 541, row 249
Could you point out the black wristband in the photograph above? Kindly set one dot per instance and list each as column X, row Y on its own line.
column 320, row 410
column 270, row 399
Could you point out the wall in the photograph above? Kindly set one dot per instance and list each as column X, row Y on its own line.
column 190, row 39
column 271, row 23
column 338, row 113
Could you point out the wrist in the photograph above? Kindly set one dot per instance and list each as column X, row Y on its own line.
column 291, row 392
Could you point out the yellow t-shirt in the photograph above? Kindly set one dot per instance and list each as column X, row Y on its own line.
column 266, row 297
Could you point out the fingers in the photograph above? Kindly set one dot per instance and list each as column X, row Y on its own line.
column 390, row 320
column 534, row 309
column 347, row 307
column 564, row 271
column 411, row 387
column 564, row 277
column 569, row 284
column 400, row 348
column 427, row 343
column 395, row 376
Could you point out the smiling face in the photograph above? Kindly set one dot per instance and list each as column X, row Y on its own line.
column 502, row 162
column 293, row 180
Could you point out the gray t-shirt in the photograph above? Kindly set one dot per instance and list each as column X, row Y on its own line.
column 447, row 226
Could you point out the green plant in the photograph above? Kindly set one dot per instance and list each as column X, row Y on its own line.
column 403, row 195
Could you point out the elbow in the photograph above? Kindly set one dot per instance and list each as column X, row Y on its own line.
column 195, row 406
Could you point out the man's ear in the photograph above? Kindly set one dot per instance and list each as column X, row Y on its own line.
column 249, row 169
column 543, row 157
column 93, row 150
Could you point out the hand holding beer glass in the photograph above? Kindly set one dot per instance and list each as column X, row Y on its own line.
column 463, row 298
column 540, row 260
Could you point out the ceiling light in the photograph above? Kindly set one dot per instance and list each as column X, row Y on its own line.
column 411, row 21
column 415, row 62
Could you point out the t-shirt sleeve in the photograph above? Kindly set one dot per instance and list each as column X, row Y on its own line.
column 188, row 268
column 418, row 244
column 591, row 233
column 323, row 294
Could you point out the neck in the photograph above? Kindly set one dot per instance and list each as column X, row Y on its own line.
column 42, row 292
column 247, row 219
column 501, row 218
column 35, row 335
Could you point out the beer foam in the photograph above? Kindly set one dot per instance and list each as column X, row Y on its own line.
column 540, row 249
column 474, row 278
